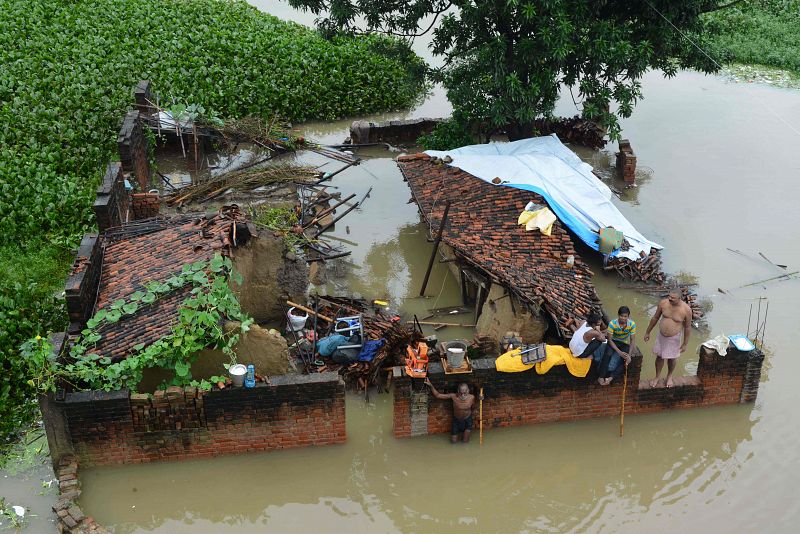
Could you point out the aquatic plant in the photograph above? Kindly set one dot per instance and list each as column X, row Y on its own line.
column 67, row 69
column 762, row 32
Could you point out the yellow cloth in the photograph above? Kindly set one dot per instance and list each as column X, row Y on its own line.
column 558, row 355
column 511, row 361
column 542, row 219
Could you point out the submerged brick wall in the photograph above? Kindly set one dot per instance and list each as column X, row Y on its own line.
column 512, row 399
column 180, row 423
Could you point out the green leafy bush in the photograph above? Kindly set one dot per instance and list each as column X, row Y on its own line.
column 447, row 135
column 67, row 69
column 762, row 32
column 29, row 306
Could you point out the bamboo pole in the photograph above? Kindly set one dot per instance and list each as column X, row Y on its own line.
column 787, row 275
column 309, row 311
column 480, row 416
column 432, row 323
column 442, row 224
column 622, row 409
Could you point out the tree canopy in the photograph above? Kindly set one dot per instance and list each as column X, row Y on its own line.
column 506, row 61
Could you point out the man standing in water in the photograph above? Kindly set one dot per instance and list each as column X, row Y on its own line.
column 463, row 403
column 674, row 315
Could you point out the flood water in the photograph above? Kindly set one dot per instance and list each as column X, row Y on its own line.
column 723, row 166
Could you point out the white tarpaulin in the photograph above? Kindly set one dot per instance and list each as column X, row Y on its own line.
column 546, row 167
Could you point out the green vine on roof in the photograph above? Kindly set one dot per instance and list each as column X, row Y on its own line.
column 199, row 326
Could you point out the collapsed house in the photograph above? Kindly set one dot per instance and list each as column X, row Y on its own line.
column 518, row 280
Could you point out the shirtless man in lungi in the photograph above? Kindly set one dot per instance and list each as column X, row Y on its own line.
column 675, row 315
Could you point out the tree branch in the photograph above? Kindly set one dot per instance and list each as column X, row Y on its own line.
column 723, row 6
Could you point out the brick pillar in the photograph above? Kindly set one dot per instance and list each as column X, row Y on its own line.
column 419, row 412
column 133, row 150
column 142, row 95
column 145, row 206
column 752, row 376
column 626, row 162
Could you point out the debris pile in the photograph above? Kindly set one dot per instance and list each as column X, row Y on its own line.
column 376, row 325
column 575, row 129
column 647, row 269
column 243, row 180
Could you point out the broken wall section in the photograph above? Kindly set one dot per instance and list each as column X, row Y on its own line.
column 271, row 275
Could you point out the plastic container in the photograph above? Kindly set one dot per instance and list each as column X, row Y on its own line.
column 237, row 373
column 296, row 322
column 742, row 343
column 250, row 377
column 455, row 350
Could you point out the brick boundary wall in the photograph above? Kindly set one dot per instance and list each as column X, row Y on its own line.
column 399, row 132
column 512, row 399
column 111, row 204
column 133, row 150
column 83, row 281
column 118, row 427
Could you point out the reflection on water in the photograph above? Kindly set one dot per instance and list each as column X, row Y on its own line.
column 523, row 478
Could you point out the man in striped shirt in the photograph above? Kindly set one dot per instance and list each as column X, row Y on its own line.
column 622, row 341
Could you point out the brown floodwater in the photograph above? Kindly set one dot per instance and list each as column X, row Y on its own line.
column 720, row 168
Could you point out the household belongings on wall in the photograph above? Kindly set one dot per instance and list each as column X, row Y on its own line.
column 417, row 360
column 511, row 361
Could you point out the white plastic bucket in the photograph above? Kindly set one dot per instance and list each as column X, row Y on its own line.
column 296, row 322
column 237, row 373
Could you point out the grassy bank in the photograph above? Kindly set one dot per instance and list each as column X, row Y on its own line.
column 67, row 69
column 759, row 32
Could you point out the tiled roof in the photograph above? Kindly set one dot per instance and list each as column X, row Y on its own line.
column 483, row 229
column 130, row 262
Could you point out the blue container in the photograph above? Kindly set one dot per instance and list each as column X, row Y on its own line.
column 250, row 377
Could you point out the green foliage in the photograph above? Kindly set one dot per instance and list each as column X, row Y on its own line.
column 29, row 281
column 200, row 326
column 67, row 69
column 9, row 516
column 762, row 32
column 281, row 220
column 505, row 62
column 447, row 135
